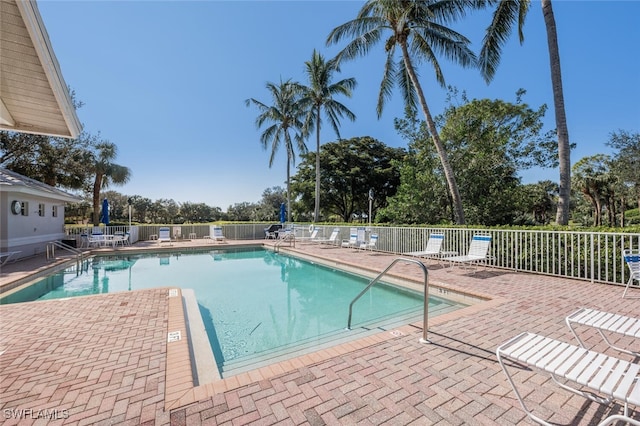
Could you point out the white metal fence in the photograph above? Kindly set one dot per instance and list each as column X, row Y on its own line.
column 590, row 256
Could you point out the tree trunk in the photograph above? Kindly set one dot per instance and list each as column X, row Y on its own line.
column 564, row 150
column 288, row 187
column 442, row 153
column 97, row 184
column 316, row 210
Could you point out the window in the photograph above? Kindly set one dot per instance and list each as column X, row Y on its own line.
column 41, row 209
column 25, row 208
column 54, row 211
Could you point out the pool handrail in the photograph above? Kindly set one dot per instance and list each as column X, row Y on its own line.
column 425, row 320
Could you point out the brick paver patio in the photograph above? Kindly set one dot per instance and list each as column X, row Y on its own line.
column 105, row 359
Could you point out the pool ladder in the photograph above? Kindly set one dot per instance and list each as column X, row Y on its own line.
column 78, row 254
column 425, row 320
column 288, row 238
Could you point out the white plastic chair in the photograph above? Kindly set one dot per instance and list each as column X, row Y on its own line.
column 333, row 238
column 434, row 245
column 632, row 257
column 614, row 379
column 371, row 244
column 353, row 239
column 164, row 235
column 478, row 251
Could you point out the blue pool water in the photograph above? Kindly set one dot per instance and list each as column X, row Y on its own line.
column 254, row 302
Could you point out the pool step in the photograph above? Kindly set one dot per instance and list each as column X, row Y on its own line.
column 254, row 361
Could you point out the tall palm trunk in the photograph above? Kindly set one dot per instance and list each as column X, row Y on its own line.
column 316, row 210
column 444, row 158
column 97, row 184
column 564, row 150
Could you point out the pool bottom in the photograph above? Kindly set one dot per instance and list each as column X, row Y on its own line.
column 206, row 368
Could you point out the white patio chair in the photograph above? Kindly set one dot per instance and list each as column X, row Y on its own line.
column 333, row 238
column 614, row 379
column 353, row 239
column 371, row 244
column 632, row 258
column 164, row 235
column 478, row 251
column 6, row 256
column 312, row 236
column 433, row 247
column 605, row 322
column 216, row 234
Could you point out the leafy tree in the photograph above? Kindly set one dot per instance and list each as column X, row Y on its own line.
column 54, row 161
column 627, row 159
column 197, row 212
column 141, row 207
column 504, row 17
column 268, row 208
column 318, row 97
column 592, row 178
column 105, row 172
column 285, row 115
column 489, row 142
column 418, row 29
column 244, row 211
column 537, row 203
column 352, row 168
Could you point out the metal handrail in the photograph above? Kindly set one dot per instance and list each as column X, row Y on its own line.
column 51, row 252
column 425, row 319
column 290, row 238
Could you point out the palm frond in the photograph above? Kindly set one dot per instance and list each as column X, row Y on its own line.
column 498, row 32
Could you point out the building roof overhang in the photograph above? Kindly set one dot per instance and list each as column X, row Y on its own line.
column 34, row 97
column 12, row 182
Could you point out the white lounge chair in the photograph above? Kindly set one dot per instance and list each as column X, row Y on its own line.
column 6, row 256
column 353, row 239
column 632, row 258
column 371, row 244
column 164, row 235
column 478, row 251
column 312, row 236
column 216, row 234
column 177, row 232
column 605, row 322
column 333, row 238
column 613, row 378
column 96, row 240
column 434, row 245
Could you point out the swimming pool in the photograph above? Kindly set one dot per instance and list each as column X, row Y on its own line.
column 256, row 305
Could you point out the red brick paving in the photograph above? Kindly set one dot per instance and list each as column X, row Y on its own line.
column 105, row 360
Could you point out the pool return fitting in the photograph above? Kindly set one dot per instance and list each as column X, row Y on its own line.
column 425, row 319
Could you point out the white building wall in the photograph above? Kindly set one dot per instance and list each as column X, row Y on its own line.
column 29, row 233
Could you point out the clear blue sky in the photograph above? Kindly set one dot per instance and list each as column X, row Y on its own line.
column 166, row 82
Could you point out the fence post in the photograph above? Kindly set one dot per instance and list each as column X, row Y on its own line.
column 593, row 262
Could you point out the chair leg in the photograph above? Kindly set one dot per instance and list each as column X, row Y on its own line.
column 624, row 295
column 520, row 399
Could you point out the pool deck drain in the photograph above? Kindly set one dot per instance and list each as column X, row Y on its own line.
column 105, row 359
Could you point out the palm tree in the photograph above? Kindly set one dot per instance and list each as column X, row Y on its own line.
column 418, row 29
column 106, row 172
column 505, row 15
column 318, row 96
column 286, row 114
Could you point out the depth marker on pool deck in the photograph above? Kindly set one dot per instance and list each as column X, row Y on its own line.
column 173, row 336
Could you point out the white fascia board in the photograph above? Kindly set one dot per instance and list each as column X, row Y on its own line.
column 5, row 118
column 40, row 38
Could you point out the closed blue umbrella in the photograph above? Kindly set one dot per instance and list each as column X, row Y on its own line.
column 283, row 213
column 104, row 215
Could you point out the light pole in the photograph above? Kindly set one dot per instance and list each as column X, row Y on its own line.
column 129, row 202
column 370, row 203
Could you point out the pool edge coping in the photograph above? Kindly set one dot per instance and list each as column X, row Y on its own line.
column 182, row 395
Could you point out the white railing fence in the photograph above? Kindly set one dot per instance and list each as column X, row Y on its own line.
column 590, row 256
